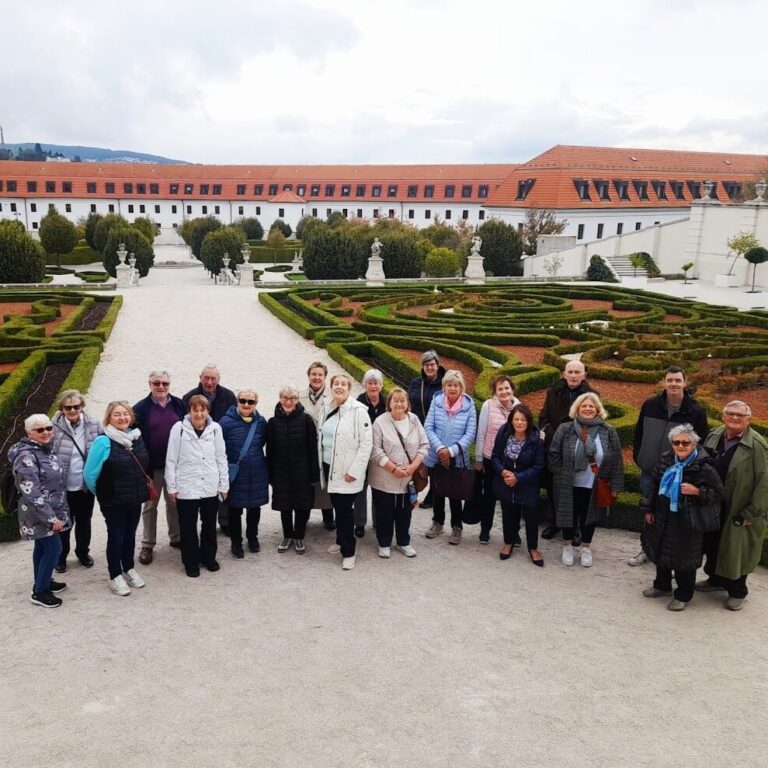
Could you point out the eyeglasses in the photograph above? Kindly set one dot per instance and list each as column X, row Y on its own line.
column 734, row 415
column 40, row 430
column 160, row 383
column 71, row 407
column 681, row 442
column 244, row 401
column 286, row 397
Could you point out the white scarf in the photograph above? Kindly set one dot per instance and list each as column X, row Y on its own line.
column 126, row 438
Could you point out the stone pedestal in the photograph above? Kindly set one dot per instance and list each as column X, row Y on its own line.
column 123, row 274
column 246, row 275
column 475, row 273
column 375, row 273
column 727, row 281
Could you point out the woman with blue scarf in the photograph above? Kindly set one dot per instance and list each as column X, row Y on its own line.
column 685, row 483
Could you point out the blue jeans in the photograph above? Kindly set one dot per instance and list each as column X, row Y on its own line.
column 122, row 523
column 44, row 558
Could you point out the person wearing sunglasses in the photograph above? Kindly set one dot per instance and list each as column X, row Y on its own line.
column 684, row 477
column 245, row 431
column 42, row 507
column 155, row 416
column 741, row 460
column 73, row 434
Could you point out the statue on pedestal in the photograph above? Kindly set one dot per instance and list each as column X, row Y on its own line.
column 375, row 273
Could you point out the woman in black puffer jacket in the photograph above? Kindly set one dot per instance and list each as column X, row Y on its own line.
column 684, row 479
column 293, row 467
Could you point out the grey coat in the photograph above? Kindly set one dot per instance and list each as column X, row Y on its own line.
column 64, row 445
column 43, row 488
column 561, row 455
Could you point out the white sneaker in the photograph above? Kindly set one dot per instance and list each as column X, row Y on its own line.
column 133, row 578
column 407, row 550
column 567, row 555
column 384, row 551
column 586, row 557
column 119, row 587
column 348, row 563
column 334, row 549
column 638, row 559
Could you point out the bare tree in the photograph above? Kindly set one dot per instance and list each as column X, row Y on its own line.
column 540, row 221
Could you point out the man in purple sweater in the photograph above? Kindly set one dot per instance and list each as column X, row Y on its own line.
column 155, row 415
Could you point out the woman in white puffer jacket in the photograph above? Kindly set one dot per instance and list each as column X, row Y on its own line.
column 344, row 442
column 196, row 474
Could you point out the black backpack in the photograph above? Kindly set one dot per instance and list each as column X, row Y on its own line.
column 9, row 493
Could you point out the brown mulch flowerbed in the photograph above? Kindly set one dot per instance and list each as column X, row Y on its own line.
column 527, row 355
column 66, row 311
column 90, row 321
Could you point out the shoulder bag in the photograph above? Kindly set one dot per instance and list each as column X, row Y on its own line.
column 154, row 494
column 420, row 477
column 454, row 482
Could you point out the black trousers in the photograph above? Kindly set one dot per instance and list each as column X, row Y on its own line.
column 510, row 520
column 686, row 581
column 81, row 511
column 344, row 507
column 294, row 523
column 438, row 506
column 393, row 515
column 252, row 520
column 196, row 549
column 581, row 499
column 489, row 500
column 734, row 587
column 122, row 523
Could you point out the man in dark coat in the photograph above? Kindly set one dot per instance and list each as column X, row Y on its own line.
column 219, row 399
column 658, row 415
column 557, row 403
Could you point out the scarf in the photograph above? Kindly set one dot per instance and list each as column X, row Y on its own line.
column 672, row 479
column 125, row 438
column 315, row 396
column 586, row 431
column 456, row 407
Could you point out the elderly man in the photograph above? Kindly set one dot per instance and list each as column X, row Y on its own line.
column 312, row 398
column 219, row 400
column 560, row 397
column 155, row 416
column 658, row 414
column 741, row 460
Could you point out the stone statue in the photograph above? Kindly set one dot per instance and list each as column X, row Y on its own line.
column 376, row 248
column 476, row 244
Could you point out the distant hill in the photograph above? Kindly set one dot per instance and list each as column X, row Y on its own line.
column 92, row 154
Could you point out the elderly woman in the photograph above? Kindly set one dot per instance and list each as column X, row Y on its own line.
column 450, row 426
column 197, row 476
column 42, row 506
column 684, row 477
column 399, row 447
column 73, row 434
column 518, row 459
column 373, row 381
column 293, row 467
column 116, row 471
column 344, row 447
column 245, row 431
column 493, row 416
column 583, row 450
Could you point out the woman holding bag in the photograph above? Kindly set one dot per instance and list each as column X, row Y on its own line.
column 245, row 431
column 584, row 454
column 450, row 426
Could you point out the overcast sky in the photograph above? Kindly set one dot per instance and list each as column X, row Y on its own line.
column 352, row 81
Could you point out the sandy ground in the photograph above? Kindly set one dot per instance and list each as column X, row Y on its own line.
column 452, row 658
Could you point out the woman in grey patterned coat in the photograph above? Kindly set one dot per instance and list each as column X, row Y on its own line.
column 42, row 508
column 581, row 451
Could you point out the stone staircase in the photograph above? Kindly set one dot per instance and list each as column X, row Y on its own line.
column 622, row 267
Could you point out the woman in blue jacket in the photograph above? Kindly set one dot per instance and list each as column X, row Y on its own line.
column 451, row 425
column 518, row 459
column 245, row 432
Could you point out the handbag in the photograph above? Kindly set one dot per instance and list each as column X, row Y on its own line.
column 153, row 493
column 454, row 482
column 420, row 477
column 696, row 517
column 235, row 468
column 472, row 511
column 603, row 495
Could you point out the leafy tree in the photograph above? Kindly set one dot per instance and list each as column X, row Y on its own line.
column 252, row 228
column 22, row 259
column 303, row 222
column 688, row 265
column 599, row 271
column 540, row 221
column 307, row 226
column 135, row 243
column 185, row 230
column 229, row 240
column 58, row 235
column 441, row 236
column 276, row 240
column 755, row 256
column 740, row 244
column 199, row 229
column 502, row 248
column 336, row 219
column 103, row 227
column 442, row 262
column 283, row 226
column 333, row 255
column 402, row 257
column 637, row 261
column 146, row 226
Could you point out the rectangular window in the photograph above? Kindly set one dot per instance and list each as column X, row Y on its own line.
column 601, row 187
column 34, row 225
column 189, row 189
column 142, row 209
column 128, row 188
column 314, row 190
column 733, row 190
column 344, row 212
column 622, row 189
column 205, row 209
column 67, row 187
column 241, row 189
column 50, row 186
column 329, row 190
column 174, row 189
column 392, row 191
column 280, row 212
column 599, row 231
column 141, row 189
column 217, row 189
column 465, row 214
column 258, row 189
column 109, row 188
column 429, row 190
column 111, row 208
column 447, row 215
column 258, row 210
column 376, row 190
column 413, row 190
column 1, row 189
column 173, row 209
column 410, row 213
column 524, row 186
column 427, row 214
column 391, row 213
column 466, row 190
column 375, row 213
column 93, row 207
column 314, row 212
column 32, row 186
column 677, row 189
column 204, row 189
column 619, row 228
column 450, row 190
column 580, row 232
column 287, row 187
column 189, row 210
column 694, row 187
column 239, row 210
column 582, row 189
column 11, row 186
column 481, row 215
column 360, row 190
column 301, row 190
column 272, row 190
column 482, row 190
column 327, row 212
column 638, row 225
column 346, row 189
column 217, row 209
column 641, row 187
column 33, row 207
column 660, row 188
column 68, row 208
column 51, row 206
column 157, row 209
column 90, row 187
column 130, row 209
column 154, row 189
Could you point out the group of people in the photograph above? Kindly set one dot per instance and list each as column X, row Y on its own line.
column 212, row 455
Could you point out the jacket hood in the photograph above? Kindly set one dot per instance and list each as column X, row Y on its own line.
column 187, row 423
column 233, row 413
column 25, row 444
column 466, row 400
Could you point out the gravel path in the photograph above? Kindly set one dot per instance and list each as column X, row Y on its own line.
column 450, row 659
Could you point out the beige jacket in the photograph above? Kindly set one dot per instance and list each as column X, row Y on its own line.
column 387, row 447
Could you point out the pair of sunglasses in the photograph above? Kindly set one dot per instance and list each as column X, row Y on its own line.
column 243, row 401
column 40, row 430
column 71, row 407
column 681, row 442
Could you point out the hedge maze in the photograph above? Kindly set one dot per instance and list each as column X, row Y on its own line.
column 49, row 341
column 625, row 338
